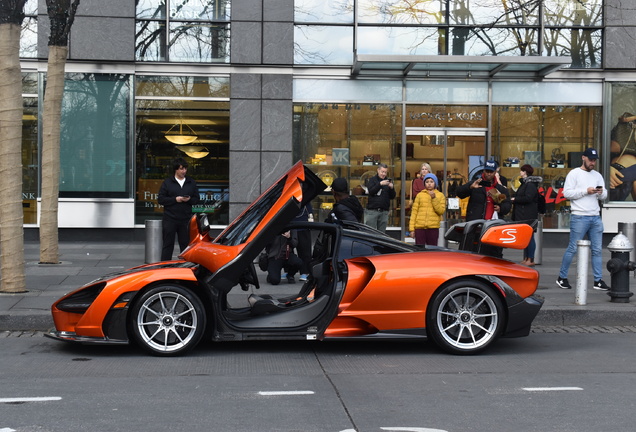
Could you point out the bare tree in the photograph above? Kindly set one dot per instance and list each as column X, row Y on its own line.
column 61, row 15
column 11, row 215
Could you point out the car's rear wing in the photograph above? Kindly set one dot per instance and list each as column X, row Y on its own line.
column 481, row 235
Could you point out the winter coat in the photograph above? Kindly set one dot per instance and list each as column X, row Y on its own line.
column 427, row 211
column 348, row 209
column 476, row 208
column 379, row 196
column 169, row 191
column 525, row 204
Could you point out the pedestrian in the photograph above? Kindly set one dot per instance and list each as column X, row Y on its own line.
column 418, row 183
column 487, row 199
column 177, row 195
column 280, row 255
column 426, row 213
column 303, row 248
column 346, row 207
column 525, row 207
column 584, row 187
column 381, row 192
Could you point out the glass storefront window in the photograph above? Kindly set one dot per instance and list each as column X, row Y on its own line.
column 30, row 158
column 494, row 41
column 549, row 138
column 323, row 11
column 193, row 31
column 94, row 134
column 571, row 12
column 622, row 170
column 207, row 155
column 323, row 45
column 348, row 140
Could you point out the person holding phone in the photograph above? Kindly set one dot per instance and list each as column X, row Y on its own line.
column 584, row 187
column 177, row 195
column 381, row 192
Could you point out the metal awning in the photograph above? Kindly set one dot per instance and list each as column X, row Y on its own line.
column 440, row 66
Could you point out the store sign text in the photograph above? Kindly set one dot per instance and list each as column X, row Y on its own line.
column 447, row 116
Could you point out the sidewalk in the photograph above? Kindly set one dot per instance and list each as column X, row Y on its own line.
column 84, row 261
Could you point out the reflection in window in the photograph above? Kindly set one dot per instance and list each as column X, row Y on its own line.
column 401, row 40
column 29, row 32
column 456, row 27
column 402, row 11
column 94, row 136
column 323, row 45
column 192, row 31
column 324, row 11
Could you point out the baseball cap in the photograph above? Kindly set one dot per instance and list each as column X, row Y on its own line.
column 590, row 153
column 490, row 165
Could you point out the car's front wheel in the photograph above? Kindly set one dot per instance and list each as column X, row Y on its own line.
column 167, row 320
column 465, row 317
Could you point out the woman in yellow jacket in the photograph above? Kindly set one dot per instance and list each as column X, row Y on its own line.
column 426, row 213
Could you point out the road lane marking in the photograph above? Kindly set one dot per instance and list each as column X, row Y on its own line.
column 30, row 399
column 545, row 389
column 7, row 430
column 285, row 393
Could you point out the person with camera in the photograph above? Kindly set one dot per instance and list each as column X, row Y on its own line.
column 584, row 187
column 381, row 192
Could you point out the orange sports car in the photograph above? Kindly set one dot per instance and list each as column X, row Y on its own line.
column 362, row 284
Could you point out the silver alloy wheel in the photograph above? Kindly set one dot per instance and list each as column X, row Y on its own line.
column 467, row 318
column 167, row 321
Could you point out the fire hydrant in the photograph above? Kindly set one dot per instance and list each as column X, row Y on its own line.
column 620, row 266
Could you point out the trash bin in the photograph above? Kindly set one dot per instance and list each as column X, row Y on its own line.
column 629, row 230
column 153, row 240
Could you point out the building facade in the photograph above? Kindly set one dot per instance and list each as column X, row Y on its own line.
column 244, row 88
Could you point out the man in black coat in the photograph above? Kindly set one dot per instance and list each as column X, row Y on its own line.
column 381, row 192
column 489, row 199
column 347, row 207
column 177, row 195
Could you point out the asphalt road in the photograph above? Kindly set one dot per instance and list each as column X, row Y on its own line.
column 557, row 379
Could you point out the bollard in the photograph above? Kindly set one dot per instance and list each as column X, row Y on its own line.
column 153, row 240
column 538, row 239
column 582, row 257
column 441, row 239
column 620, row 266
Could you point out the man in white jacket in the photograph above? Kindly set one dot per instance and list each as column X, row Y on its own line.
column 584, row 187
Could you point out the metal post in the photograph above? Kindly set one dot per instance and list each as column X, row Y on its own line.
column 441, row 240
column 582, row 257
column 538, row 239
column 153, row 240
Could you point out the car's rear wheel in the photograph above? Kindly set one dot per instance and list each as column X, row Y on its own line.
column 167, row 320
column 465, row 317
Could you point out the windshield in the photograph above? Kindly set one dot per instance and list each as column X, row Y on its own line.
column 239, row 231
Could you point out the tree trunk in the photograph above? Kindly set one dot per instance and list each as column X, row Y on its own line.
column 51, row 119
column 11, row 214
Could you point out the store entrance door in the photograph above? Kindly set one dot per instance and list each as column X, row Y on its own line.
column 455, row 156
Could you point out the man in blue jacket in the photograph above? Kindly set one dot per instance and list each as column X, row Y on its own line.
column 177, row 195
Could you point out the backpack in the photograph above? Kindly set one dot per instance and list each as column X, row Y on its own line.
column 541, row 203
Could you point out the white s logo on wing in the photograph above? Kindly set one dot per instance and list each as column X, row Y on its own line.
column 508, row 235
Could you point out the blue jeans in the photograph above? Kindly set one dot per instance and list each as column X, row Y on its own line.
column 531, row 249
column 579, row 227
